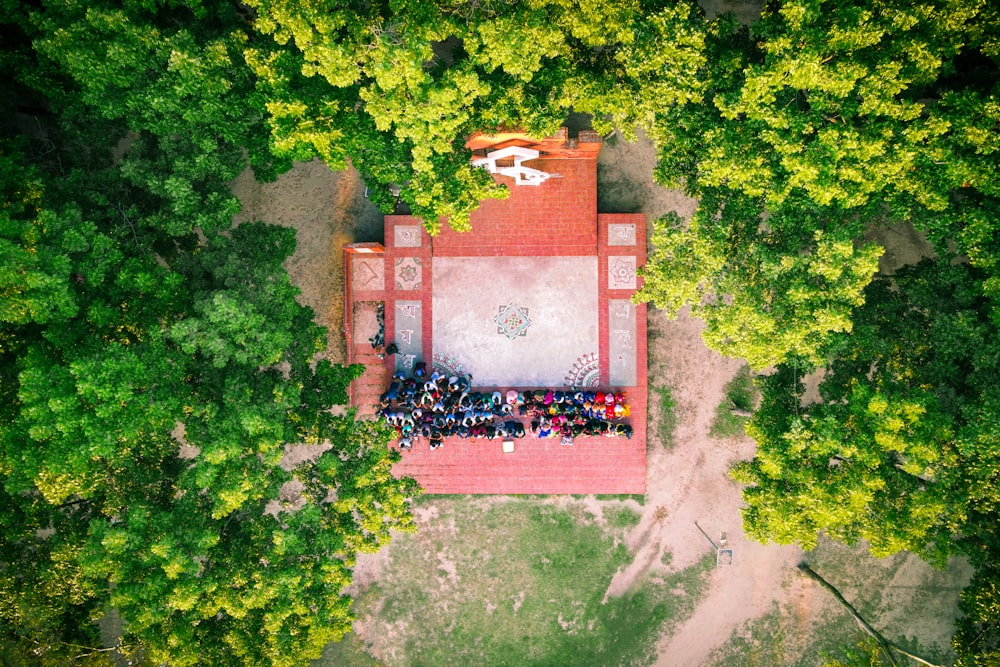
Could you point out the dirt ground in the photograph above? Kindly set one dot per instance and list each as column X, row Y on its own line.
column 685, row 483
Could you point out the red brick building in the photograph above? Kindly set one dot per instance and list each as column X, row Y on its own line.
column 535, row 296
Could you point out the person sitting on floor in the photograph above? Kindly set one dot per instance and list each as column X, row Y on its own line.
column 393, row 392
column 436, row 439
column 515, row 429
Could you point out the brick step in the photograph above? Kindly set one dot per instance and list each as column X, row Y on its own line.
column 370, row 383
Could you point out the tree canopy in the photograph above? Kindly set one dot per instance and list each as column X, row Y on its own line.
column 154, row 364
column 820, row 122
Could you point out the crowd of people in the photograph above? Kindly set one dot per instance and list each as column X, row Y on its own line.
column 434, row 406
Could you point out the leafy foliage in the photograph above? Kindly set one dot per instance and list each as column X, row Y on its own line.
column 155, row 365
column 817, row 123
column 898, row 452
column 395, row 88
column 130, row 310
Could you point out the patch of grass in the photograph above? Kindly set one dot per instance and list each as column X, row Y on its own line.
column 726, row 424
column 521, row 583
column 637, row 497
column 741, row 391
column 740, row 395
column 348, row 652
column 771, row 639
column 758, row 643
column 668, row 416
column 620, row 516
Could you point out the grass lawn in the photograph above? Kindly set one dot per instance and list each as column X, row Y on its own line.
column 520, row 581
column 667, row 417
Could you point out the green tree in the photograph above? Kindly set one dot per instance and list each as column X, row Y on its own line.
column 900, row 451
column 977, row 633
column 823, row 119
column 767, row 286
column 135, row 318
column 174, row 74
column 34, row 272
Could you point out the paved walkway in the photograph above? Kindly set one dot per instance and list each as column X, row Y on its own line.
column 515, row 321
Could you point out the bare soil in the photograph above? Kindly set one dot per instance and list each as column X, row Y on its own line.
column 687, row 482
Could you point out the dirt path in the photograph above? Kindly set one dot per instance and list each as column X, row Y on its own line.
column 691, row 483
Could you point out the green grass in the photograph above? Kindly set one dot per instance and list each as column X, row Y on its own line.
column 348, row 652
column 637, row 497
column 520, row 582
column 740, row 394
column 740, row 390
column 726, row 424
column 667, row 416
column 620, row 516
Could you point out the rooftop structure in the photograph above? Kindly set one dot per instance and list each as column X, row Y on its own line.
column 536, row 296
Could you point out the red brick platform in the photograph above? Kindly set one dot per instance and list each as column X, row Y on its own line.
column 555, row 219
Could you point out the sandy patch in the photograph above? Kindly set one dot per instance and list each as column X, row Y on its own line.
column 327, row 209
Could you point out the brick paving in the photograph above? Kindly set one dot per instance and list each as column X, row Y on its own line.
column 555, row 219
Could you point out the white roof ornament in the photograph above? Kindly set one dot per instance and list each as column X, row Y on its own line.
column 522, row 175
